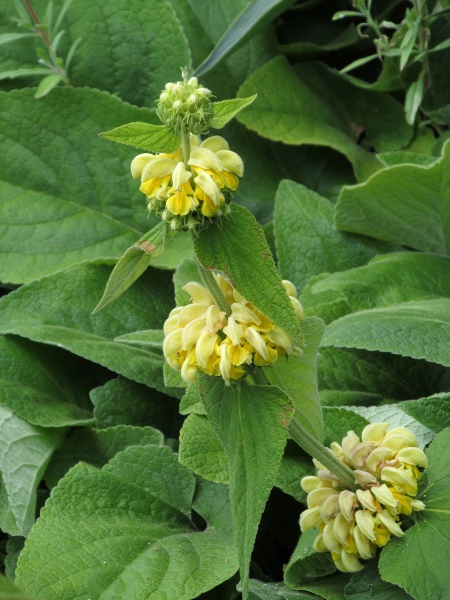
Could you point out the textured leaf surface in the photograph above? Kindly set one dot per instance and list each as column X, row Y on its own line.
column 9, row 591
column 297, row 376
column 313, row 105
column 418, row 329
column 201, row 450
column 418, row 562
column 97, row 447
column 251, row 422
column 124, row 402
column 294, row 465
column 305, row 563
column 433, row 412
column 146, row 136
column 150, row 39
column 238, row 249
column 43, row 385
column 24, row 453
column 407, row 204
column 57, row 310
column 338, row 421
column 227, row 109
column 66, row 195
column 275, row 591
column 367, row 584
column 306, row 240
column 136, row 540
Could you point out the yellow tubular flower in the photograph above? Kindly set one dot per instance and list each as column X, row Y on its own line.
column 354, row 524
column 200, row 337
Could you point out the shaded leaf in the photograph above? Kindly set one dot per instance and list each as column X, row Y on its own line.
column 227, row 109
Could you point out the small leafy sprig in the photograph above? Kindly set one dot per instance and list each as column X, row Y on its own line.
column 53, row 67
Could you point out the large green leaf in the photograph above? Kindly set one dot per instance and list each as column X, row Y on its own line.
column 305, row 563
column 297, row 376
column 407, row 204
column 128, row 519
column 57, row 310
column 66, row 196
column 24, row 453
column 306, row 240
column 127, row 46
column 238, row 250
column 418, row 562
column 390, row 279
column 433, row 412
column 124, row 402
column 368, row 585
column 44, row 385
column 314, row 105
column 251, row 20
column 275, row 591
column 9, row 591
column 146, row 136
column 338, row 421
column 418, row 329
column 251, row 422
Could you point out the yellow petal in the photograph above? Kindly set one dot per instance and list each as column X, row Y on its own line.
column 347, row 503
column 389, row 522
column 330, row 508
column 231, row 161
column 157, row 168
column 367, row 500
column 290, row 288
column 412, row 456
column 310, row 518
column 204, row 158
column 172, row 343
column 364, row 520
column 341, row 529
column 225, row 364
column 209, row 187
column 205, row 347
column 384, row 495
column 257, row 342
column 329, row 539
column 351, row 562
column 310, row 483
column 318, row 496
column 191, row 312
column 180, row 176
column 401, row 479
column 139, row 162
column 374, row 432
column 198, row 293
column 192, row 332
column 215, row 143
column 366, row 550
column 243, row 314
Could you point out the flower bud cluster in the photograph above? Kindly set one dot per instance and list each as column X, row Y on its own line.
column 186, row 105
column 187, row 197
column 354, row 524
column 201, row 337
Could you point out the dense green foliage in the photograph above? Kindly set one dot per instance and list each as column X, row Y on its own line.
column 117, row 478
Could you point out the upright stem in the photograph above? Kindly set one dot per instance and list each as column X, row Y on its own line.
column 213, row 288
column 38, row 23
column 309, row 443
column 186, row 146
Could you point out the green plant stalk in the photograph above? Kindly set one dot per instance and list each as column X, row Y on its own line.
column 213, row 288
column 186, row 146
column 310, row 444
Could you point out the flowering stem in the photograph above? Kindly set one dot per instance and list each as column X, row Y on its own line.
column 318, row 451
column 186, row 146
column 309, row 443
column 213, row 288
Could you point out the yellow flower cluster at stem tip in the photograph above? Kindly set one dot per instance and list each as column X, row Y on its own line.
column 188, row 196
column 354, row 524
column 200, row 336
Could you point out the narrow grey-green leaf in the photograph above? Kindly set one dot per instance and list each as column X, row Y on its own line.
column 97, row 448
column 75, row 200
column 407, row 204
column 201, row 450
column 251, row 422
column 312, row 104
column 47, row 84
column 253, row 18
column 139, row 533
column 124, row 402
column 297, row 376
column 6, row 38
column 418, row 562
column 23, row 73
column 238, row 250
column 227, row 109
column 150, row 337
column 306, row 240
column 56, row 310
column 43, row 385
column 24, row 453
column 134, row 262
column 418, row 329
column 153, row 138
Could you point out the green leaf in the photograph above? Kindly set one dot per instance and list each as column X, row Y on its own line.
column 152, row 47
column 134, row 262
column 316, row 45
column 212, row 502
column 275, row 591
column 418, row 329
column 23, row 73
column 56, row 310
column 9, row 591
column 150, row 337
column 201, row 450
column 14, row 547
column 433, row 412
column 338, row 421
column 251, row 20
column 75, row 201
column 314, row 105
column 6, row 38
column 191, row 402
column 418, row 562
column 47, row 84
column 238, row 250
column 178, row 248
column 294, row 465
column 306, row 240
column 297, row 376
column 227, row 109
column 133, row 509
column 125, row 402
column 185, row 272
column 251, row 422
column 330, row 587
column 307, row 564
column 390, row 279
column 153, row 138
column 414, row 97
column 97, row 448
column 367, row 584
column 392, row 206
column 24, row 453
column 43, row 385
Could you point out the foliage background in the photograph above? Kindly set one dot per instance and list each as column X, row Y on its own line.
column 354, row 201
